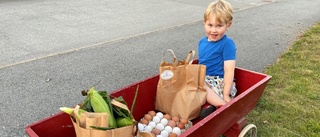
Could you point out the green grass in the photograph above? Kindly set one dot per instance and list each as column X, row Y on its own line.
column 290, row 104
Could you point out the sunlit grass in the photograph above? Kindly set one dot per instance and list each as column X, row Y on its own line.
column 290, row 104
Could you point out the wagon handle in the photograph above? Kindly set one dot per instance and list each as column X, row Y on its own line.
column 174, row 56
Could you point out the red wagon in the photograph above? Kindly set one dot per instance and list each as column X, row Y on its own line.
column 228, row 120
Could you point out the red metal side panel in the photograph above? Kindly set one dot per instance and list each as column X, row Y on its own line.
column 146, row 96
column 58, row 125
column 250, row 86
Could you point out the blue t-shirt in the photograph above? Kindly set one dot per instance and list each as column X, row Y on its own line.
column 213, row 54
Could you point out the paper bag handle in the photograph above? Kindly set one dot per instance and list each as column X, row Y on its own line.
column 76, row 114
column 174, row 56
column 119, row 104
column 192, row 52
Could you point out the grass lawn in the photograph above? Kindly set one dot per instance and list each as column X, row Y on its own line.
column 290, row 104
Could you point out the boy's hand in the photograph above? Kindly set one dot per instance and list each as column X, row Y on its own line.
column 226, row 98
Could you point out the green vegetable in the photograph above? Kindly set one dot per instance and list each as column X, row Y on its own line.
column 86, row 105
column 124, row 121
column 100, row 105
column 100, row 102
column 124, row 117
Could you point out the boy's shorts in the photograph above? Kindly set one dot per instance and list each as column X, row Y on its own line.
column 216, row 84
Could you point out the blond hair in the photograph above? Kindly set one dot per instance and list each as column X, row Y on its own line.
column 220, row 9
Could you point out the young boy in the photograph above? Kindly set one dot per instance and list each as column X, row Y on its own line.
column 218, row 53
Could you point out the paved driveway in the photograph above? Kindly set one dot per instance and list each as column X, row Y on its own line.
column 51, row 50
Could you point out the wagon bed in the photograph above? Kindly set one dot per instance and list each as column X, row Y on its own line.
column 228, row 120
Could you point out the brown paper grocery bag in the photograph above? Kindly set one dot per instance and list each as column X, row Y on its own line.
column 118, row 132
column 145, row 134
column 97, row 119
column 88, row 119
column 180, row 90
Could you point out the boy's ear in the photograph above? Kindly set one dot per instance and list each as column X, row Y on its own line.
column 229, row 24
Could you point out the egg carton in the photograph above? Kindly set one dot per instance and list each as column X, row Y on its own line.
column 149, row 134
column 157, row 124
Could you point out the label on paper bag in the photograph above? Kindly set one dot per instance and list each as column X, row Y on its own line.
column 166, row 75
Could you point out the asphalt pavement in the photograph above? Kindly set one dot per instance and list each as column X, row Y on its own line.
column 51, row 50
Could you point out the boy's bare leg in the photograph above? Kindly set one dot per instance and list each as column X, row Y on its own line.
column 213, row 98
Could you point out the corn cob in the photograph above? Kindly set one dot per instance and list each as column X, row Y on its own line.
column 70, row 110
column 99, row 105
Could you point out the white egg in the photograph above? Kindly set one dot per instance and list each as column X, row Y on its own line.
column 160, row 115
column 168, row 129
column 159, row 136
column 160, row 126
column 176, row 130
column 140, row 127
column 164, row 133
column 164, row 121
column 156, row 119
column 152, row 124
column 148, row 129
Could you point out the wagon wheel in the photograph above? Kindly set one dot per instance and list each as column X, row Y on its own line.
column 249, row 131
